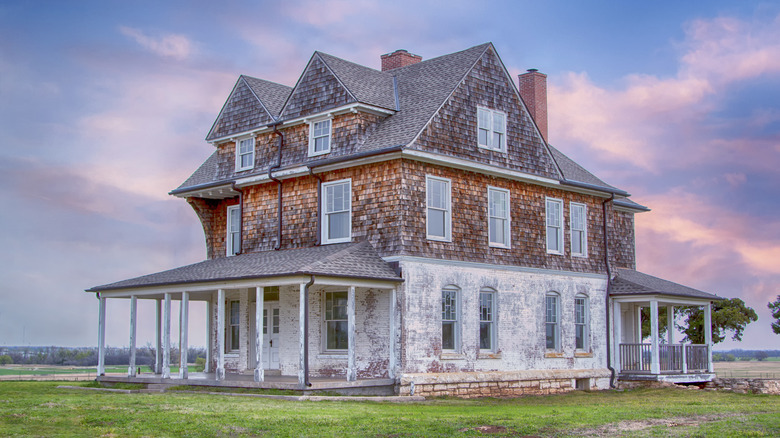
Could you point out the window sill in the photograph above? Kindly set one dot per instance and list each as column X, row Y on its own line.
column 438, row 239
column 554, row 253
column 452, row 356
column 498, row 246
column 338, row 355
column 233, row 354
column 553, row 355
column 489, row 355
column 580, row 256
column 244, row 169
column 317, row 154
column 582, row 354
column 330, row 242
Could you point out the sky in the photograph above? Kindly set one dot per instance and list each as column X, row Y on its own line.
column 104, row 107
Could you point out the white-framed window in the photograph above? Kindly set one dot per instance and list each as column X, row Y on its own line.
column 337, row 211
column 491, row 129
column 450, row 319
column 335, row 322
column 319, row 137
column 552, row 317
column 579, row 229
column 234, row 326
column 554, row 219
column 581, row 323
column 233, row 243
column 438, row 208
column 498, row 218
column 487, row 319
column 245, row 154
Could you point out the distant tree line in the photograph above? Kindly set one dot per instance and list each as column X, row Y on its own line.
column 734, row 355
column 89, row 356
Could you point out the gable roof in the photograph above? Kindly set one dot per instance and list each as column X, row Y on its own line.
column 629, row 282
column 367, row 85
column 351, row 260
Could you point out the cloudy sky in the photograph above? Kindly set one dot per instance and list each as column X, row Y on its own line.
column 104, row 107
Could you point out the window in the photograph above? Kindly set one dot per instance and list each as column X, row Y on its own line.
column 319, row 137
column 336, row 321
column 450, row 331
column 337, row 217
column 274, row 321
column 491, row 129
column 554, row 213
column 245, row 154
column 487, row 320
column 438, row 211
column 234, row 323
column 498, row 217
column 581, row 319
column 552, row 326
column 233, row 230
column 579, row 230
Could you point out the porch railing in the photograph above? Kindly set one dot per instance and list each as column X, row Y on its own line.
column 682, row 358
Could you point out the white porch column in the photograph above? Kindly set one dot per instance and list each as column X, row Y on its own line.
column 166, row 370
column 220, row 345
column 131, row 370
column 101, row 367
column 617, row 330
column 259, row 301
column 684, row 358
column 670, row 324
column 184, row 320
column 351, row 368
column 158, row 336
column 655, row 361
column 708, row 335
column 391, row 361
column 209, row 342
column 638, row 324
column 302, row 335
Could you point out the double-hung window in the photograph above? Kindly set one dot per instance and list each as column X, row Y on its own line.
column 552, row 321
column 233, row 230
column 234, row 324
column 337, row 214
column 245, row 154
column 498, row 217
column 579, row 230
column 487, row 320
column 581, row 317
column 336, row 321
column 439, row 213
column 319, row 137
column 491, row 130
column 450, row 313
column 554, row 219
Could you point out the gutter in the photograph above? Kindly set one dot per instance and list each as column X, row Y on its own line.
column 583, row 185
column 318, row 240
column 279, row 191
column 240, row 217
column 609, row 282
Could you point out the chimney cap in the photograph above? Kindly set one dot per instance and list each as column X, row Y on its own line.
column 533, row 70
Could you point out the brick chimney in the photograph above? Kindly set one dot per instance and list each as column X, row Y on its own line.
column 399, row 58
column 533, row 90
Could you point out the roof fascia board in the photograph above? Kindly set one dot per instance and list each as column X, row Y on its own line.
column 292, row 172
column 477, row 265
column 203, row 188
column 595, row 187
column 626, row 209
column 662, row 297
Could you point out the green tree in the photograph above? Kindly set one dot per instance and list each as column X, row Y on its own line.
column 774, row 307
column 662, row 322
column 730, row 358
column 761, row 355
column 727, row 316
column 6, row 360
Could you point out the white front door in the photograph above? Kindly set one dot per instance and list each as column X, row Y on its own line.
column 271, row 336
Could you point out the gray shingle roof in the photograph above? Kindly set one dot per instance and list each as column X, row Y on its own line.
column 205, row 174
column 625, row 202
column 574, row 172
column 369, row 86
column 272, row 95
column 350, row 260
column 631, row 282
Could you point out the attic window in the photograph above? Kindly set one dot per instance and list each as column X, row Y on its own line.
column 245, row 154
column 319, row 137
column 491, row 130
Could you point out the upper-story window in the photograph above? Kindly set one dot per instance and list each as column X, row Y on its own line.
column 579, row 229
column 319, row 137
column 245, row 154
column 233, row 243
column 554, row 219
column 491, row 132
column 498, row 217
column 439, row 214
column 337, row 215
column 552, row 326
column 450, row 319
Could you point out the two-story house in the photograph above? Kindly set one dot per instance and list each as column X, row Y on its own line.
column 409, row 230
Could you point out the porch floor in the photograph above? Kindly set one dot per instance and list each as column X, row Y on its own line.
column 271, row 381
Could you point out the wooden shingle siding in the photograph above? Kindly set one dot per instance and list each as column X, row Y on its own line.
column 242, row 112
column 213, row 216
column 453, row 131
column 621, row 244
column 317, row 91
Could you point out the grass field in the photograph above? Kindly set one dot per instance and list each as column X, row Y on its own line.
column 47, row 370
column 768, row 369
column 41, row 409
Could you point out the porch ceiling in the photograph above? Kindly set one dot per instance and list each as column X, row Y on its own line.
column 631, row 285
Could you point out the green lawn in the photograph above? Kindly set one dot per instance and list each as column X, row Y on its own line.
column 40, row 409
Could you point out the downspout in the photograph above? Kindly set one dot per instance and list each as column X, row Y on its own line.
column 306, row 332
column 240, row 217
column 279, row 182
column 319, row 206
column 609, row 281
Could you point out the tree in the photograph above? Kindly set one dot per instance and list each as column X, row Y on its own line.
column 662, row 322
column 6, row 359
column 727, row 316
column 774, row 307
column 761, row 355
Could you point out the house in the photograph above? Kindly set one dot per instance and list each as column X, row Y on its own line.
column 409, row 230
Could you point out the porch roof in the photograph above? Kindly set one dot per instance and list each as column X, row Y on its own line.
column 351, row 260
column 629, row 282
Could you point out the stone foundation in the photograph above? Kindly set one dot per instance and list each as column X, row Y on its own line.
column 747, row 386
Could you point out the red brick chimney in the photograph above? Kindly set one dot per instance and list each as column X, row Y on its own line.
column 399, row 58
column 533, row 90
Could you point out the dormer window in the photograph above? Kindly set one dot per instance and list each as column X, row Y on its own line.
column 245, row 154
column 319, row 137
column 491, row 131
